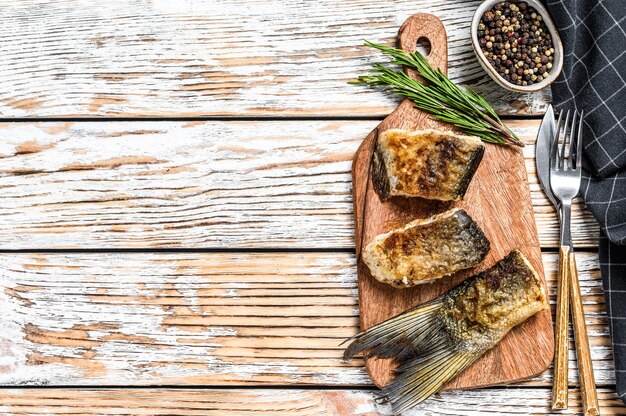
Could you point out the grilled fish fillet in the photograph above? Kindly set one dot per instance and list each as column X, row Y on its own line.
column 436, row 341
column 426, row 249
column 430, row 164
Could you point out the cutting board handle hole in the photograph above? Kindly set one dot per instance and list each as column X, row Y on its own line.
column 423, row 45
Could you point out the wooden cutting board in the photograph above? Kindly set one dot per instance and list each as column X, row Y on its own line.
column 498, row 199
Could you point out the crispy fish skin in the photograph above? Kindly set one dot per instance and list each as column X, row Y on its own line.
column 426, row 249
column 481, row 310
column 431, row 164
column 436, row 341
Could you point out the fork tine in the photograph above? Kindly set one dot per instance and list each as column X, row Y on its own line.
column 565, row 137
column 572, row 141
column 554, row 154
column 579, row 143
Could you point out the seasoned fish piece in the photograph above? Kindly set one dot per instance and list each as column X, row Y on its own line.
column 437, row 340
column 431, row 164
column 426, row 249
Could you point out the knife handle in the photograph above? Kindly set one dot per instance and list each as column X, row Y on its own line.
column 585, row 367
column 559, row 386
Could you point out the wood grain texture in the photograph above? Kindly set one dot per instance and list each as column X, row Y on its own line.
column 583, row 354
column 218, row 319
column 199, row 185
column 206, row 319
column 209, row 402
column 163, row 58
column 561, row 330
column 498, row 189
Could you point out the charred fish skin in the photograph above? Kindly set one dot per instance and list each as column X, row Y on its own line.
column 478, row 313
column 430, row 164
column 380, row 175
column 436, row 341
column 426, row 249
column 486, row 307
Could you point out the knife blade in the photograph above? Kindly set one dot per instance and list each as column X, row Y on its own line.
column 547, row 130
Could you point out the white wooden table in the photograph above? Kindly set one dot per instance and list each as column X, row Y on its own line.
column 176, row 232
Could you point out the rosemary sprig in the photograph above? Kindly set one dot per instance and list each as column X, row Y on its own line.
column 444, row 100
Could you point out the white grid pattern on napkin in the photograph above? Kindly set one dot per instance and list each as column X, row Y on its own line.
column 594, row 68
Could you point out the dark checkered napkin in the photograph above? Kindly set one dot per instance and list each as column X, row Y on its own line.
column 594, row 80
column 613, row 265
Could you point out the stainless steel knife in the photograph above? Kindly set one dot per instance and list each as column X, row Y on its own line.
column 547, row 130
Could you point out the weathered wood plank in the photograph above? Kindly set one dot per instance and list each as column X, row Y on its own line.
column 503, row 402
column 198, row 184
column 164, row 58
column 204, row 318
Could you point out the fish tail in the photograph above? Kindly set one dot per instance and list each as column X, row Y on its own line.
column 398, row 336
column 421, row 377
column 427, row 355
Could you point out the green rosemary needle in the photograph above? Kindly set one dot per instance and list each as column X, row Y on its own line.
column 444, row 100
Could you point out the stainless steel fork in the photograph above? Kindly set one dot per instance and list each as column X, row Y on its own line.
column 565, row 178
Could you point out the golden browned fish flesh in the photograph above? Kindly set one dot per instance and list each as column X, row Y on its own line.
column 430, row 164
column 426, row 249
column 436, row 341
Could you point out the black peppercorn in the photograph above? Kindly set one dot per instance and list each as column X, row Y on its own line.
column 516, row 42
